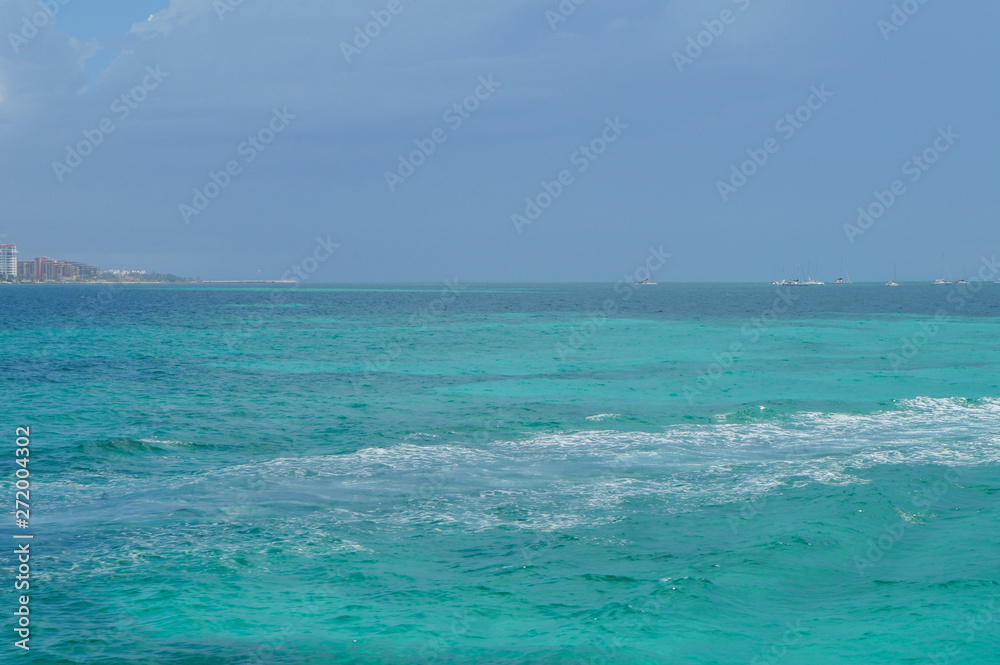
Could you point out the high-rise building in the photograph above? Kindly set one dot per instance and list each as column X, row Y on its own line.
column 8, row 260
column 26, row 269
column 46, row 269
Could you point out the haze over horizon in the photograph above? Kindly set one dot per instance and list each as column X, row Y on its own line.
column 615, row 115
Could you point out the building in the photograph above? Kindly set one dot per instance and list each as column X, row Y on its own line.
column 8, row 260
column 26, row 269
column 83, row 270
column 45, row 269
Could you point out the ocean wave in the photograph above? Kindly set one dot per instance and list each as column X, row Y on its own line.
column 557, row 480
column 563, row 480
column 124, row 446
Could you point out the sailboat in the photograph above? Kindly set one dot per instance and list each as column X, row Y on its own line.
column 942, row 280
column 779, row 282
column 846, row 279
column 809, row 281
column 893, row 281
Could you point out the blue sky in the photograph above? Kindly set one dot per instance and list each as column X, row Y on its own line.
column 222, row 72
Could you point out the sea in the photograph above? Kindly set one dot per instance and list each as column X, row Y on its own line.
column 453, row 473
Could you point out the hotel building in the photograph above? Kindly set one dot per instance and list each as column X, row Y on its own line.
column 8, row 260
column 46, row 269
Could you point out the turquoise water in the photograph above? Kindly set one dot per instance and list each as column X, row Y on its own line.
column 507, row 474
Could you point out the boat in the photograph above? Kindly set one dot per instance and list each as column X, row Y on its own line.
column 944, row 271
column 808, row 281
column 780, row 282
column 846, row 279
column 646, row 282
column 892, row 282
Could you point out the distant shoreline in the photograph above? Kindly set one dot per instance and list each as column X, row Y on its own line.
column 207, row 281
column 362, row 285
column 436, row 284
column 54, row 283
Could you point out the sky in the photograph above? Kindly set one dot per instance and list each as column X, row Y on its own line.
column 516, row 141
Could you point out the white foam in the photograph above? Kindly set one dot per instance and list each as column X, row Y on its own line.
column 563, row 480
column 164, row 442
